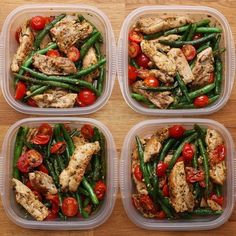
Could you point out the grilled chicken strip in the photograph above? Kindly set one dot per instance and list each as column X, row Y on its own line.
column 54, row 65
column 213, row 139
column 182, row 65
column 42, row 182
column 218, row 173
column 164, row 63
column 151, row 25
column 55, row 99
column 26, row 40
column 26, row 198
column 204, row 66
column 214, row 205
column 181, row 197
column 67, row 32
column 71, row 177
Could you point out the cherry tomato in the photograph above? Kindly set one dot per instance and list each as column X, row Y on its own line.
column 187, row 152
column 58, row 148
column 176, row 131
column 218, row 154
column 40, row 139
column 20, row 90
column 53, row 53
column 218, row 199
column 29, row 185
column 134, row 49
column 161, row 215
column 189, row 52
column 211, row 78
column 23, row 163
column 132, row 74
column 17, row 34
column 202, row 184
column 35, row 158
column 134, row 36
column 87, row 131
column 45, row 128
column 37, row 23
column 48, row 19
column 43, row 168
column 147, row 203
column 31, row 102
column 151, row 81
column 73, row 54
column 100, row 189
column 69, row 206
column 165, row 190
column 38, row 195
column 193, row 175
column 161, row 169
column 51, row 215
column 53, row 198
column 197, row 36
column 138, row 173
column 86, row 97
column 201, row 101
column 142, row 60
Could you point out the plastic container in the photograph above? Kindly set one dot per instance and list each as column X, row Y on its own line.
column 8, row 46
column 16, row 214
column 197, row 12
column 146, row 128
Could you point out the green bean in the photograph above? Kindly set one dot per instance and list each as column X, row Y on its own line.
column 192, row 31
column 149, row 169
column 34, row 87
column 103, row 155
column 202, row 91
column 203, row 47
column 63, row 217
column 83, row 213
column 101, row 80
column 96, row 168
column 68, row 139
column 182, row 106
column 83, row 191
column 40, row 90
column 86, row 202
column 56, row 167
column 92, row 195
column 159, row 89
column 166, row 149
column 183, row 87
column 208, row 30
column 140, row 98
column 201, row 133
column 185, row 34
column 219, row 74
column 203, row 211
column 134, row 63
column 188, row 132
column 153, row 36
column 218, row 190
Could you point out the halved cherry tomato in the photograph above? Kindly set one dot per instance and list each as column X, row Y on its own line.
column 20, row 90
column 38, row 195
column 86, row 97
column 147, row 203
column 45, row 128
column 53, row 198
column 193, row 175
column 218, row 199
column 211, row 78
column 29, row 185
column 138, row 173
column 189, row 52
column 17, row 34
column 69, row 206
column 43, row 168
column 142, row 60
column 51, row 215
column 100, row 189
column 201, row 101
column 73, row 54
column 197, row 36
column 165, row 190
column 134, row 49
column 160, row 215
column 134, row 36
column 40, row 139
column 87, row 131
column 151, row 81
column 132, row 74
column 218, row 154
column 176, row 131
column 37, row 23
column 53, row 53
column 187, row 152
column 23, row 163
column 161, row 169
column 31, row 102
column 58, row 148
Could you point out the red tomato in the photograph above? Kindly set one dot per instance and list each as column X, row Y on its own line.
column 37, row 23
column 187, row 152
column 202, row 184
column 20, row 90
column 31, row 102
column 23, row 163
column 69, row 206
column 51, row 215
column 86, row 97
column 58, row 148
column 53, row 198
column 100, row 189
column 87, row 131
column 151, row 81
column 161, row 215
column 189, row 52
column 29, row 185
column 193, row 175
column 38, row 195
column 201, row 101
column 161, row 169
column 218, row 199
column 45, row 128
column 197, row 36
column 49, row 19
column 138, row 173
column 165, row 190
column 17, row 34
column 43, row 169
column 134, row 49
column 218, row 154
column 40, row 139
column 132, row 74
column 53, row 53
column 35, row 158
column 73, row 54
column 135, row 36
column 147, row 203
column 142, row 60
column 211, row 78
column 176, row 131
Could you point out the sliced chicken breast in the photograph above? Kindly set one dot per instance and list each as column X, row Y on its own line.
column 214, row 205
column 152, row 147
column 45, row 41
column 218, row 173
column 213, row 139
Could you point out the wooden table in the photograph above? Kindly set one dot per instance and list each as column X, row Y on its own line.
column 119, row 118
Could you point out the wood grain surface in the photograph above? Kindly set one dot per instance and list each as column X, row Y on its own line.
column 119, row 118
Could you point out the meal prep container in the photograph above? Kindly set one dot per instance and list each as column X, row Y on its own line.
column 8, row 46
column 16, row 213
column 197, row 12
column 145, row 129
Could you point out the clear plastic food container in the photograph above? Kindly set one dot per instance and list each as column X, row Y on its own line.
column 16, row 214
column 146, row 128
column 196, row 12
column 8, row 46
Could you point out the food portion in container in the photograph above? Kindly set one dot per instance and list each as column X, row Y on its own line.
column 179, row 173
column 59, row 62
column 175, row 62
column 59, row 171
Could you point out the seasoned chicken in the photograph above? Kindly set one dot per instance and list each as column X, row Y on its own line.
column 68, row 31
column 214, row 205
column 46, row 40
column 182, row 65
column 167, row 159
column 89, row 60
column 26, row 198
column 26, row 40
column 162, row 100
column 213, row 139
column 55, row 98
column 203, row 67
column 54, row 65
column 42, row 182
column 71, row 177
column 152, row 147
column 151, row 25
column 181, row 196
column 78, row 140
column 218, row 173
column 164, row 63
